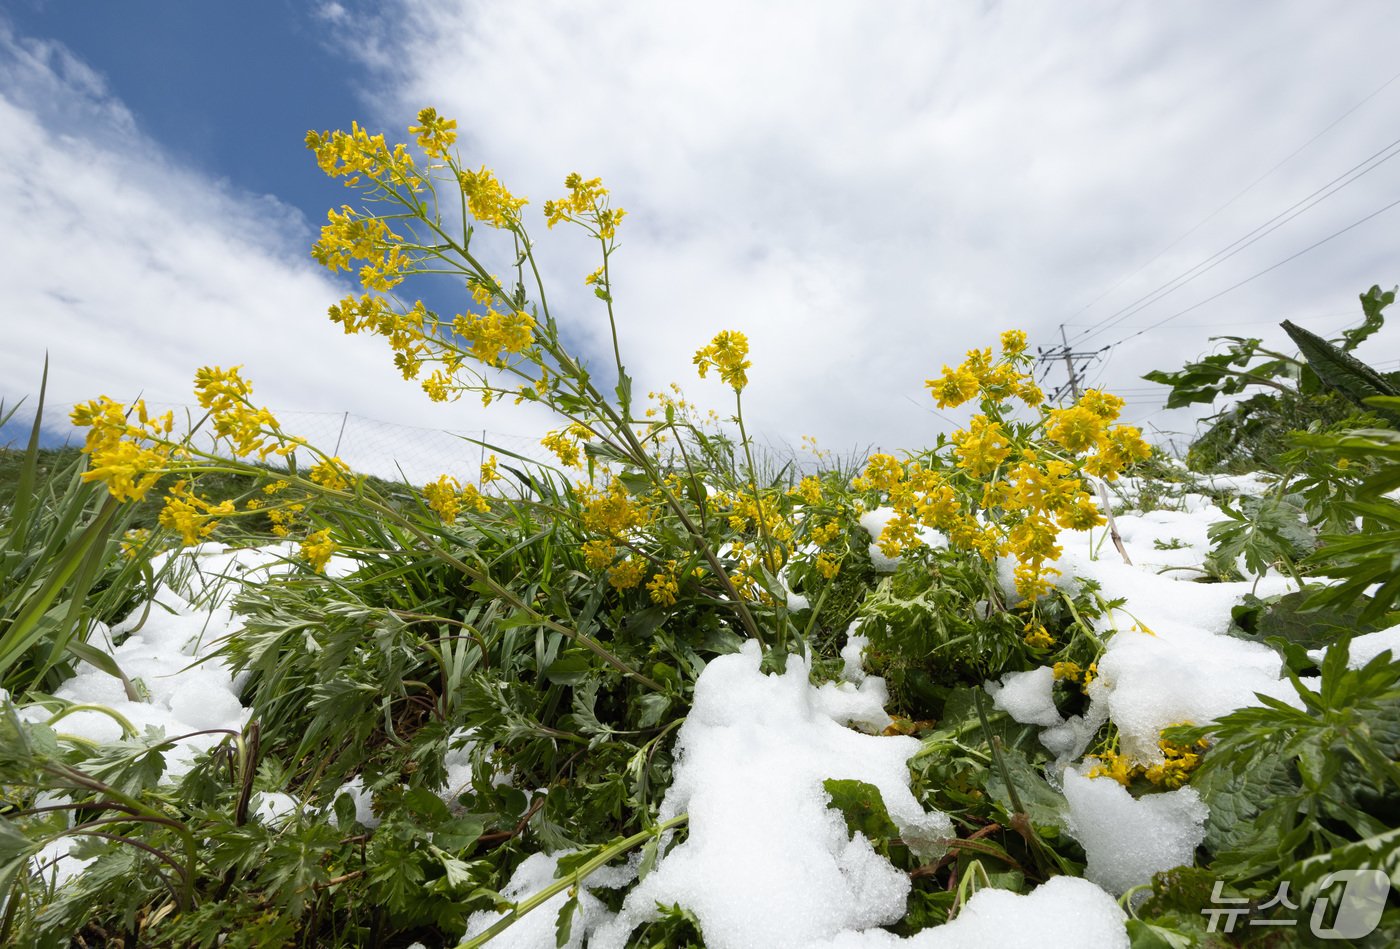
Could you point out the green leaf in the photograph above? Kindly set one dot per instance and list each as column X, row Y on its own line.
column 1377, row 852
column 863, row 808
column 569, row 669
column 1045, row 806
column 1341, row 371
column 458, row 834
column 1145, row 935
column 564, row 922
column 1373, row 302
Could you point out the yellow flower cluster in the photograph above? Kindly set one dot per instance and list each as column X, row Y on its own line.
column 352, row 154
column 627, row 574
column 993, row 379
column 762, row 515
column 586, row 203
column 1178, row 761
column 492, row 335
column 1087, row 426
column 317, row 548
column 1013, row 486
column 488, row 200
column 882, row 473
column 350, row 236
column 128, row 456
column 330, row 473
column 247, row 430
column 663, row 585
column 613, row 513
column 191, row 516
column 566, row 444
column 284, row 518
column 982, row 447
column 435, row 133
column 407, row 333
column 1037, row 636
column 726, row 354
column 598, row 554
column 828, row 565
column 446, row 496
column 824, row 534
column 1173, row 771
column 808, row 490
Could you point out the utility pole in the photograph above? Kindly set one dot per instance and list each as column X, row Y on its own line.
column 1069, row 365
column 1074, row 364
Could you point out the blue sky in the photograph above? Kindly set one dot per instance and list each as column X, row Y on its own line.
column 866, row 191
column 228, row 89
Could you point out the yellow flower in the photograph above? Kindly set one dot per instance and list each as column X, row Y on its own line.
column 190, row 516
column 133, row 541
column 1037, row 636
column 1113, row 765
column 663, row 586
column 824, row 534
column 954, row 387
column 726, row 354
column 317, row 548
column 612, row 514
column 597, row 554
column 493, row 335
column 1178, row 761
column 435, row 133
column 128, row 470
column 330, row 474
column 1103, row 404
column 488, row 200
column 882, row 473
column 348, row 236
column 444, row 497
column 1013, row 342
column 1028, row 392
column 809, row 489
column 474, row 499
column 1118, row 448
column 828, row 565
column 1068, row 670
column 565, row 446
column 355, row 153
column 1077, row 428
column 982, row 447
column 488, row 470
column 627, row 574
column 1082, row 515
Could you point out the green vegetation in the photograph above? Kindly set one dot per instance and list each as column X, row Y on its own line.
column 448, row 678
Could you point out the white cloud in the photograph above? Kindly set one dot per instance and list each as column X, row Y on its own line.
column 867, row 191
column 131, row 271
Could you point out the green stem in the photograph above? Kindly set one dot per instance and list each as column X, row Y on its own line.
column 569, row 881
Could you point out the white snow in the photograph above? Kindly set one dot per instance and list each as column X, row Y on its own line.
column 1367, row 647
column 1127, row 839
column 1061, row 913
column 1025, row 696
column 766, row 861
column 536, row 930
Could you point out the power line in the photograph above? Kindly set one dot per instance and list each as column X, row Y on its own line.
column 1250, row 187
column 1216, row 296
column 1225, row 253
